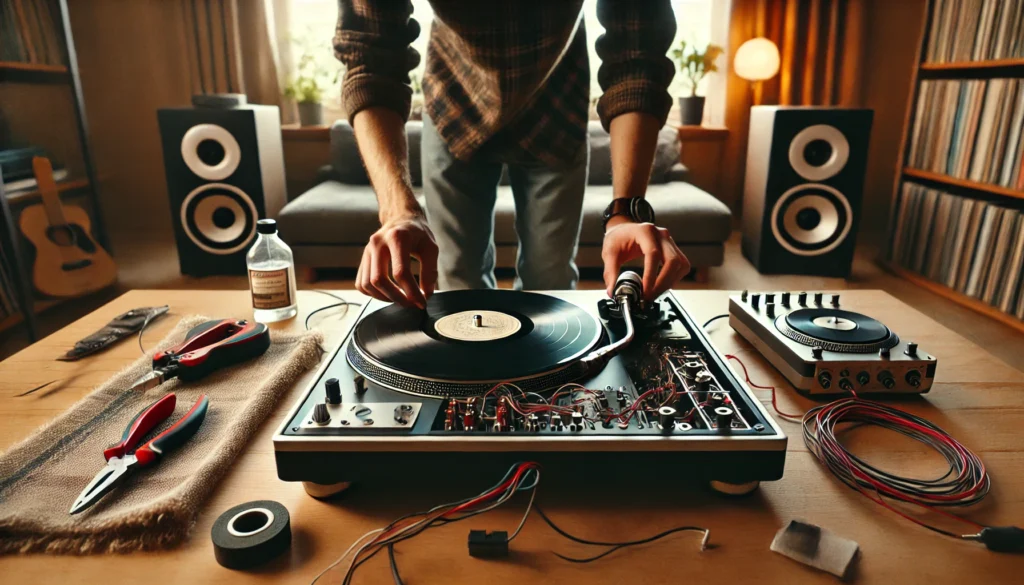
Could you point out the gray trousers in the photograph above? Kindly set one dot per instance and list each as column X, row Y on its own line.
column 460, row 209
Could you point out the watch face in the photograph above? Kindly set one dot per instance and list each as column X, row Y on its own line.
column 642, row 211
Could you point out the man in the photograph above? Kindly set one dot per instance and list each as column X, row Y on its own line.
column 506, row 82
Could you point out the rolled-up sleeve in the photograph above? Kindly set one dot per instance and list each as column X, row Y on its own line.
column 635, row 69
column 373, row 40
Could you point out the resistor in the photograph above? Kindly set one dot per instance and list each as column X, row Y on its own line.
column 449, row 417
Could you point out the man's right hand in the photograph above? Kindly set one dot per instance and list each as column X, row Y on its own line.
column 385, row 271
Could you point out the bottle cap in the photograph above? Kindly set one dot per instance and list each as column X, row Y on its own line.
column 266, row 226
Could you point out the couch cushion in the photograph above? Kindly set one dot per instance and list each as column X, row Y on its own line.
column 665, row 156
column 348, row 164
column 334, row 213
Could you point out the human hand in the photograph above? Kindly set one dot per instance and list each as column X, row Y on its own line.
column 385, row 272
column 664, row 263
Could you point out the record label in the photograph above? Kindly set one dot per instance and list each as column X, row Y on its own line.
column 477, row 325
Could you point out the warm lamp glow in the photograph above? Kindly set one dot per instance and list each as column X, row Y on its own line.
column 756, row 60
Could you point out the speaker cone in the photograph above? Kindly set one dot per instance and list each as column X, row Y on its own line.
column 210, row 151
column 218, row 218
column 811, row 219
column 819, row 152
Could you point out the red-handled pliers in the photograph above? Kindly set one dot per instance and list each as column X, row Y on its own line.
column 207, row 347
column 124, row 458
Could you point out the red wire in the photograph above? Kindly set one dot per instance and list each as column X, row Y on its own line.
column 775, row 404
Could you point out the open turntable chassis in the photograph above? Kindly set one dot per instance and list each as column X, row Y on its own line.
column 752, row 451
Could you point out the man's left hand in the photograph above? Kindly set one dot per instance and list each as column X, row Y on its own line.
column 664, row 263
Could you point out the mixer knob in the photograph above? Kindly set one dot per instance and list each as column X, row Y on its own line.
column 817, row 298
column 816, row 352
column 723, row 417
column 785, row 299
column 769, row 297
column 884, row 353
column 755, row 299
column 667, row 418
column 333, row 390
column 320, row 414
column 835, row 300
column 825, row 379
column 913, row 378
column 743, row 295
column 769, row 309
column 801, row 299
column 360, row 384
column 911, row 349
column 885, row 377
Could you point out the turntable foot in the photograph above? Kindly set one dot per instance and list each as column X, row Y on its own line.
column 323, row 491
column 734, row 489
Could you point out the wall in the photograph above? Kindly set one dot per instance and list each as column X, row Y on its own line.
column 894, row 35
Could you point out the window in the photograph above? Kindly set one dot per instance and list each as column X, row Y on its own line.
column 310, row 25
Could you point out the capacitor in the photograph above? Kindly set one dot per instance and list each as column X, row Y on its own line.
column 703, row 385
column 502, row 424
column 723, row 417
column 666, row 418
column 690, row 368
column 320, row 414
column 333, row 390
column 449, row 417
column 469, row 417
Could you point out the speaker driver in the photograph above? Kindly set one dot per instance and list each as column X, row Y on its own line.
column 812, row 219
column 210, row 152
column 819, row 152
column 219, row 218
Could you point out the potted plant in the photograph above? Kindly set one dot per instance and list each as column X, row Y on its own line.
column 694, row 65
column 307, row 89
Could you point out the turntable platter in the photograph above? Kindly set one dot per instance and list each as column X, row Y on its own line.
column 836, row 330
column 471, row 339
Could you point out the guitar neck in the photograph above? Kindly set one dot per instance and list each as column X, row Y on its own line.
column 48, row 191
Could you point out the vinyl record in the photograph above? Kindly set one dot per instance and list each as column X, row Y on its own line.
column 471, row 339
column 836, row 330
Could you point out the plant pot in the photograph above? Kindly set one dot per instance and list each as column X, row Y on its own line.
column 311, row 114
column 691, row 110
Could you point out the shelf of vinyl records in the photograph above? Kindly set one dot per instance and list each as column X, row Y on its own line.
column 973, row 65
column 965, row 183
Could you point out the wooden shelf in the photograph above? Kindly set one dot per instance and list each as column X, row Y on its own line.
column 955, row 296
column 306, row 133
column 30, row 72
column 965, row 183
column 23, row 196
column 967, row 65
column 39, row 306
column 703, row 133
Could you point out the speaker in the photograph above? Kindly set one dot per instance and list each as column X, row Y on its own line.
column 803, row 189
column 225, row 170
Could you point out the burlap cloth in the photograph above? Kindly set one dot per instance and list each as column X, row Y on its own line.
column 156, row 507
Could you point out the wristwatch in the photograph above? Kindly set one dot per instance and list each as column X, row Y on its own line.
column 635, row 208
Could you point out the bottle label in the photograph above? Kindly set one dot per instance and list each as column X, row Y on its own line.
column 270, row 289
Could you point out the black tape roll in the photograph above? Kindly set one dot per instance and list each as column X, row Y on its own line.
column 250, row 534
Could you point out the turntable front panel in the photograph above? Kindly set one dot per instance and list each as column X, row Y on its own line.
column 751, row 447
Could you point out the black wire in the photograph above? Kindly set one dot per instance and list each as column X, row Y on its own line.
column 331, row 306
column 713, row 319
column 616, row 544
column 394, row 565
column 142, row 330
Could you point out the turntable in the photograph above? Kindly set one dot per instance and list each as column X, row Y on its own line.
column 482, row 379
column 824, row 349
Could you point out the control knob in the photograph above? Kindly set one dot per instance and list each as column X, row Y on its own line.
column 333, row 391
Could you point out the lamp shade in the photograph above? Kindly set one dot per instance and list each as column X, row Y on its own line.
column 756, row 60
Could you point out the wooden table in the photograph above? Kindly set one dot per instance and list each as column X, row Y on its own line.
column 976, row 397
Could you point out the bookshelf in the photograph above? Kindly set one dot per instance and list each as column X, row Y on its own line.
column 37, row 50
column 956, row 224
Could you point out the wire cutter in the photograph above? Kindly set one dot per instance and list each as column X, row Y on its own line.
column 207, row 347
column 123, row 457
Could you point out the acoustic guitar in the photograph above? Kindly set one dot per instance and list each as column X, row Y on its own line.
column 69, row 262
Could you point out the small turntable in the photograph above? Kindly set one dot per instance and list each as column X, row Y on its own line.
column 572, row 380
column 824, row 349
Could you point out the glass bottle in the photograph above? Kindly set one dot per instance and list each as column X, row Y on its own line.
column 271, row 275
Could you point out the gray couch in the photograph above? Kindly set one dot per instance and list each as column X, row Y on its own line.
column 328, row 225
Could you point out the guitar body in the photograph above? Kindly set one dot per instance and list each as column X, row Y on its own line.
column 68, row 262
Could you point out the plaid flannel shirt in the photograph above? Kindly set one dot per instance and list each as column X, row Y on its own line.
column 509, row 77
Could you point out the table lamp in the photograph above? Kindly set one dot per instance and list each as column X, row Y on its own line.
column 756, row 60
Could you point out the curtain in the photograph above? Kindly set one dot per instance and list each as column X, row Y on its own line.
column 821, row 45
column 238, row 46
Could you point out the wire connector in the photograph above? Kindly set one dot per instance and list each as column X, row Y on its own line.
column 488, row 545
column 1008, row 539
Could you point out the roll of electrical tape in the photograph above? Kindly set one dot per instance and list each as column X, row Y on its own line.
column 251, row 533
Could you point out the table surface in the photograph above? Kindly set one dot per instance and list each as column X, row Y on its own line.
column 976, row 397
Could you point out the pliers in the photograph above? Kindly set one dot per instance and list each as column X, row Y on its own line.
column 207, row 347
column 123, row 458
